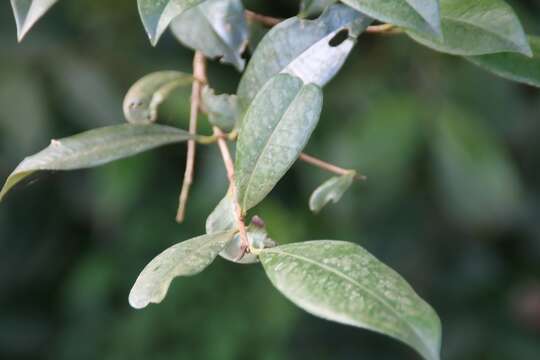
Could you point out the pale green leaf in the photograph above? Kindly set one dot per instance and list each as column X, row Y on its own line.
column 223, row 219
column 478, row 181
column 314, row 7
column 513, row 66
column 28, row 12
column 313, row 50
column 342, row 282
column 258, row 239
column 143, row 98
column 275, row 129
column 223, row 110
column 184, row 259
column 331, row 191
column 476, row 28
column 218, row 28
column 95, row 147
column 419, row 15
column 156, row 15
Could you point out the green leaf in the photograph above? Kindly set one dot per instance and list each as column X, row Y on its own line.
column 477, row 28
column 419, row 15
column 28, row 12
column 331, row 191
column 512, row 66
column 478, row 182
column 156, row 15
column 275, row 129
column 95, row 147
column 184, row 259
column 144, row 97
column 314, row 7
column 222, row 218
column 342, row 282
column 313, row 50
column 223, row 110
column 218, row 28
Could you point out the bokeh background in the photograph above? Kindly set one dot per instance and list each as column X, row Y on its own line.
column 452, row 202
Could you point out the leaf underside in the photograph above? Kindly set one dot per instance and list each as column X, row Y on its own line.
column 28, row 12
column 330, row 191
column 156, row 15
column 218, row 28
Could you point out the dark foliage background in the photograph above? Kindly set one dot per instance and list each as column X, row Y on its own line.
column 452, row 203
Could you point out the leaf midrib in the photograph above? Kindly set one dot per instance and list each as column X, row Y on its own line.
column 354, row 282
column 266, row 145
column 96, row 149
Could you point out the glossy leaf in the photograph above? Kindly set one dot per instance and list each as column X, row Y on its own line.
column 222, row 110
column 331, row 191
column 314, row 7
column 479, row 184
column 512, row 66
column 275, row 129
column 477, row 28
column 342, row 282
column 419, row 15
column 184, row 259
column 218, row 28
column 95, row 147
column 143, row 98
column 28, row 12
column 313, row 50
column 156, row 15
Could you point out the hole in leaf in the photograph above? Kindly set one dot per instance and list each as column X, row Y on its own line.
column 339, row 38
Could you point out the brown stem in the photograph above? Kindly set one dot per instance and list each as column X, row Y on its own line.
column 270, row 21
column 229, row 166
column 267, row 21
column 327, row 166
column 199, row 74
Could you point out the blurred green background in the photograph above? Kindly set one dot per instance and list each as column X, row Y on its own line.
column 452, row 201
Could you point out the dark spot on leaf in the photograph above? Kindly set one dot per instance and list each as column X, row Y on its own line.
column 340, row 37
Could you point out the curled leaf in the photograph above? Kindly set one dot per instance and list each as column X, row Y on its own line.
column 330, row 191
column 144, row 97
column 222, row 110
column 184, row 259
column 95, row 147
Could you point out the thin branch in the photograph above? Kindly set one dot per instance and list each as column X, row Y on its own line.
column 229, row 166
column 328, row 167
column 199, row 73
column 388, row 29
column 269, row 21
